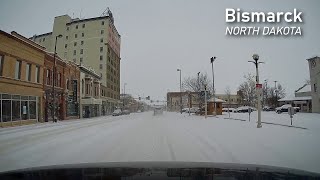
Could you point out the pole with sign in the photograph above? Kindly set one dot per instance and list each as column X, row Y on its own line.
column 291, row 112
column 249, row 111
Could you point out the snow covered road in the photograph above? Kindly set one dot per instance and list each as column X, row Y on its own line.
column 167, row 137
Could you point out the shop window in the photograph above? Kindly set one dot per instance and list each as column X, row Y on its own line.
column 16, row 110
column 25, row 110
column 6, row 110
column 33, row 109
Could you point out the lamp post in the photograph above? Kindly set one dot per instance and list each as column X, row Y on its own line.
column 213, row 93
column 180, row 92
column 265, row 103
column 54, row 78
column 258, row 87
column 276, row 91
column 124, row 93
column 199, row 89
column 205, row 101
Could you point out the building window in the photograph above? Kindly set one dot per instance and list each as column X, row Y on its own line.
column 82, row 42
column 102, row 32
column 67, row 28
column 75, row 44
column 48, row 78
column 74, row 60
column 59, row 80
column 315, row 87
column 66, row 37
column 18, row 69
column 75, row 35
column 101, row 49
column 1, row 65
column 82, row 86
column 37, row 74
column 65, row 55
column 44, row 39
column 81, row 51
column 81, row 60
column 65, row 46
column 83, row 25
column 101, row 40
column 101, row 58
column 74, row 52
column 76, row 26
column 82, row 35
column 101, row 66
column 102, row 23
column 28, row 72
column 67, row 83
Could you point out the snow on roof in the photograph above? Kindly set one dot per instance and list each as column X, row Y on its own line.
column 295, row 98
column 306, row 88
column 216, row 100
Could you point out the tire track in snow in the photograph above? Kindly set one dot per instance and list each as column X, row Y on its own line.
column 172, row 155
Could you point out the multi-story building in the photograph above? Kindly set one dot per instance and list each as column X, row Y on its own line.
column 91, row 93
column 174, row 100
column 66, row 88
column 94, row 42
column 314, row 69
column 21, row 89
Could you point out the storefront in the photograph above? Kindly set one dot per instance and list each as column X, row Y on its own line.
column 18, row 110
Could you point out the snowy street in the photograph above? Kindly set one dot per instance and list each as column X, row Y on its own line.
column 167, row 137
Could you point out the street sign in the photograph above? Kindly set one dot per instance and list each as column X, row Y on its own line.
column 259, row 86
column 291, row 112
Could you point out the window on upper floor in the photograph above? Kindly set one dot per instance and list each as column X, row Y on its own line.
column 67, row 28
column 37, row 74
column 28, row 72
column 81, row 51
column 82, row 42
column 44, row 39
column 18, row 69
column 102, row 32
column 101, row 58
column 75, row 35
column 315, row 87
column 66, row 46
column 101, row 66
column 83, row 25
column 101, row 49
column 66, row 37
column 48, row 77
column 75, row 44
column 81, row 60
column 74, row 52
column 102, row 23
column 1, row 64
column 82, row 34
column 101, row 40
column 76, row 26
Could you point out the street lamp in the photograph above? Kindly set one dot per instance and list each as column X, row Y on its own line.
column 258, row 87
column 180, row 92
column 205, row 101
column 54, row 73
column 124, row 93
column 213, row 93
column 199, row 88
column 276, row 91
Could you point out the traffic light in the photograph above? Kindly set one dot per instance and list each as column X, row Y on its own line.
column 148, row 97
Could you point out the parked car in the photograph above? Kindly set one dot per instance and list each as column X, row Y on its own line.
column 244, row 109
column 285, row 107
column 192, row 110
column 185, row 109
column 228, row 109
column 117, row 112
column 267, row 108
column 157, row 111
column 125, row 112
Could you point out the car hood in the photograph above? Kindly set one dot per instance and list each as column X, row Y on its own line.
column 152, row 170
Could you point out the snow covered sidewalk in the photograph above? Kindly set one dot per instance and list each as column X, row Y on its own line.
column 167, row 137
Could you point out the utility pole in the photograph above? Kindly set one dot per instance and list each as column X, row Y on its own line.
column 258, row 87
column 205, row 101
column 213, row 93
column 276, row 91
column 199, row 89
column 53, row 79
column 180, row 92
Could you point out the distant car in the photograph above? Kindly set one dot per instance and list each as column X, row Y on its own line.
column 244, row 109
column 285, row 107
column 139, row 111
column 125, row 112
column 267, row 108
column 157, row 111
column 192, row 110
column 185, row 109
column 117, row 112
column 228, row 109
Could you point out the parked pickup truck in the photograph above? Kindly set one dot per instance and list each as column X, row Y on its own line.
column 284, row 108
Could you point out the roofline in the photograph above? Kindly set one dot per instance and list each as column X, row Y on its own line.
column 49, row 33
column 312, row 58
column 23, row 40
column 86, row 69
column 89, row 19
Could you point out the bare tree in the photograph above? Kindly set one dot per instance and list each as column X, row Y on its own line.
column 195, row 84
column 248, row 90
column 275, row 94
column 228, row 93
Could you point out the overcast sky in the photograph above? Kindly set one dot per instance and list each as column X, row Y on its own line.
column 159, row 36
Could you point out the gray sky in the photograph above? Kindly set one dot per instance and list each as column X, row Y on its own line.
column 159, row 36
